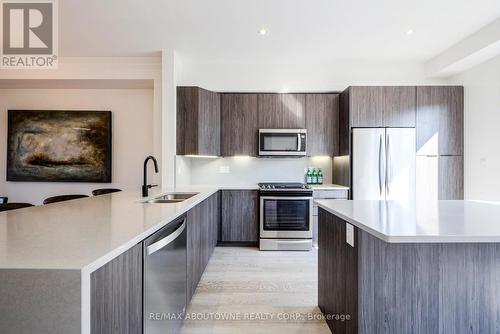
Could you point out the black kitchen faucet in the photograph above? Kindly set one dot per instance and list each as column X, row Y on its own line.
column 145, row 185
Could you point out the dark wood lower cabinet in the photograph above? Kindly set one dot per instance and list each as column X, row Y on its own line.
column 240, row 216
column 202, row 231
column 337, row 274
column 116, row 295
column 393, row 288
column 117, row 287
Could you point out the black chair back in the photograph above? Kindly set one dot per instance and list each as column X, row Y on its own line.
column 4, row 200
column 104, row 191
column 14, row 206
column 62, row 198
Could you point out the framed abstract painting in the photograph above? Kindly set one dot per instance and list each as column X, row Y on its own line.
column 59, row 146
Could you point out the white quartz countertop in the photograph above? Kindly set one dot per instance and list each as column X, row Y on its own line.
column 421, row 222
column 243, row 186
column 86, row 233
column 328, row 187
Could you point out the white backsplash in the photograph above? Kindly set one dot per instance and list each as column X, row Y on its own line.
column 246, row 170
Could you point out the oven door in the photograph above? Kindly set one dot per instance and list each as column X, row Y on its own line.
column 282, row 142
column 286, row 217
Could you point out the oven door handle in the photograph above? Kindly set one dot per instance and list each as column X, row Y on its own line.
column 286, row 197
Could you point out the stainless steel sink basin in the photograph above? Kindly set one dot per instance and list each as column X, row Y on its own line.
column 172, row 198
column 164, row 201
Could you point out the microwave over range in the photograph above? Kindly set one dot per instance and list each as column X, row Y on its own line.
column 282, row 142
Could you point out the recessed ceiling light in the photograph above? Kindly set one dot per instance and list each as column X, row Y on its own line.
column 409, row 32
column 263, row 31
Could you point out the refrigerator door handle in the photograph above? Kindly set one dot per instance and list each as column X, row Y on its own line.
column 380, row 165
column 388, row 165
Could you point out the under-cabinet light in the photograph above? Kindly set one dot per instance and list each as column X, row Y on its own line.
column 201, row 156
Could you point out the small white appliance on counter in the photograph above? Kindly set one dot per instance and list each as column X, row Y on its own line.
column 282, row 142
column 286, row 216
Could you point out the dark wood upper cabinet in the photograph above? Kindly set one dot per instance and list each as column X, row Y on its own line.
column 440, row 120
column 239, row 124
column 451, row 124
column 344, row 124
column 429, row 105
column 198, row 121
column 366, row 106
column 282, row 111
column 322, row 124
column 382, row 106
column 239, row 216
column 399, row 106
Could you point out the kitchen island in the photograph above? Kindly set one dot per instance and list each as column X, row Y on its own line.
column 427, row 267
column 76, row 266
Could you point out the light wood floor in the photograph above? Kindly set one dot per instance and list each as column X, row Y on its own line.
column 257, row 292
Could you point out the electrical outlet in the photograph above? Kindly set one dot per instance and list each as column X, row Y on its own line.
column 349, row 234
column 224, row 170
column 483, row 162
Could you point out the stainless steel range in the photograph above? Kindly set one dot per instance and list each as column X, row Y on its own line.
column 286, row 211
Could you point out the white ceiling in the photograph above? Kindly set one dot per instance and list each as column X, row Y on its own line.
column 298, row 30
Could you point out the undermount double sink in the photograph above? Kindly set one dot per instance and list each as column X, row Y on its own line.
column 171, row 198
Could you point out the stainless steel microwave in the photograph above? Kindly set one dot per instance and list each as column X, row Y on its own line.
column 282, row 142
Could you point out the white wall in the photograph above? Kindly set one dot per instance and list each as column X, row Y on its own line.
column 237, row 171
column 168, row 117
column 482, row 132
column 300, row 77
column 132, row 112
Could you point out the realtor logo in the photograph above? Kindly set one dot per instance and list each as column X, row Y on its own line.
column 28, row 34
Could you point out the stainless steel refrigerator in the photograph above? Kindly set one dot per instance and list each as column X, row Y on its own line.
column 383, row 164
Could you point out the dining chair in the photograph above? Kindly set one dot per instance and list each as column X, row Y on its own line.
column 14, row 206
column 104, row 191
column 62, row 198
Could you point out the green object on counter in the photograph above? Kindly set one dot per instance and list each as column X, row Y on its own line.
column 320, row 176
column 308, row 176
column 314, row 177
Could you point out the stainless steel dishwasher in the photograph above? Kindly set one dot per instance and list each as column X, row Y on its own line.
column 165, row 281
